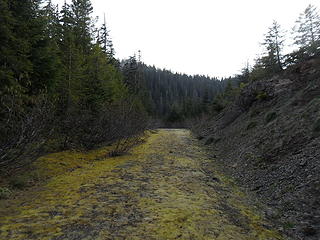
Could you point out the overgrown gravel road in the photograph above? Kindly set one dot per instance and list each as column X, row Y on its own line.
column 165, row 188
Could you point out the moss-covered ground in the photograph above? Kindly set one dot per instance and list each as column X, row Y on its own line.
column 162, row 189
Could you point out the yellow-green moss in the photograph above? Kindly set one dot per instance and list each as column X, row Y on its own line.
column 192, row 211
column 161, row 182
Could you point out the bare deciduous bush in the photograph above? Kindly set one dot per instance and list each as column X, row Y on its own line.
column 196, row 125
column 117, row 122
column 126, row 124
column 23, row 132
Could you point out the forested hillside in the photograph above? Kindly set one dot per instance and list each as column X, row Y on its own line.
column 62, row 88
column 170, row 97
column 267, row 134
column 176, row 97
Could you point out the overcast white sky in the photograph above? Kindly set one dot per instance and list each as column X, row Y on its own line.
column 209, row 37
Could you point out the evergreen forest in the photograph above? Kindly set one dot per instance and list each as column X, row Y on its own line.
column 61, row 82
column 61, row 85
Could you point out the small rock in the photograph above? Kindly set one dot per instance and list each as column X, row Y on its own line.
column 309, row 231
column 303, row 162
column 215, row 179
column 256, row 188
column 270, row 213
column 147, row 219
column 209, row 141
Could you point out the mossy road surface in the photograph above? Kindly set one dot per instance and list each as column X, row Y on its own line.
column 165, row 188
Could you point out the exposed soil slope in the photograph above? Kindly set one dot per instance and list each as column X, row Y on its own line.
column 268, row 139
column 166, row 188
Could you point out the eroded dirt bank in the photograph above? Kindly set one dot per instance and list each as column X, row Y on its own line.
column 166, row 188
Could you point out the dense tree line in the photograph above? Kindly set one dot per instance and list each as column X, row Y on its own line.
column 172, row 97
column 176, row 97
column 59, row 81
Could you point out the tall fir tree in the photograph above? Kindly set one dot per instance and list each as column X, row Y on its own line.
column 307, row 30
column 8, row 53
column 274, row 42
column 82, row 24
column 72, row 59
column 106, row 41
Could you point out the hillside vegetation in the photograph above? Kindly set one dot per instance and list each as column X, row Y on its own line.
column 271, row 145
column 265, row 132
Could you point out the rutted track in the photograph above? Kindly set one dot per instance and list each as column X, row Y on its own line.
column 166, row 188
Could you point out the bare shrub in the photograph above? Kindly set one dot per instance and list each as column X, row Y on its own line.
column 23, row 131
column 126, row 124
column 118, row 121
column 196, row 125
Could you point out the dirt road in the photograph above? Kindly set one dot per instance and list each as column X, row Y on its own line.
column 165, row 188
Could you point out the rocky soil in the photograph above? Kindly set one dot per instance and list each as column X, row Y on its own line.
column 268, row 140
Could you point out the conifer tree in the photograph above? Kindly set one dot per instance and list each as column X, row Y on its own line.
column 52, row 15
column 106, row 41
column 23, row 15
column 72, row 59
column 274, row 42
column 82, row 24
column 131, row 74
column 8, row 54
column 45, row 51
column 307, row 30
